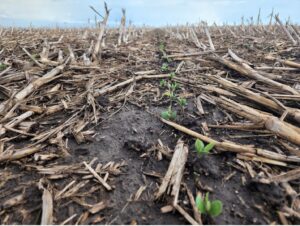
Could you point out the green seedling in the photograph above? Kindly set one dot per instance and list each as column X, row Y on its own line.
column 170, row 94
column 182, row 102
column 172, row 75
column 2, row 66
column 211, row 208
column 161, row 47
column 201, row 148
column 164, row 67
column 174, row 86
column 163, row 83
column 168, row 59
column 169, row 114
column 35, row 56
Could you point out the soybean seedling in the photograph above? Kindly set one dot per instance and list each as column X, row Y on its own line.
column 168, row 59
column 211, row 208
column 164, row 67
column 163, row 83
column 2, row 66
column 182, row 103
column 172, row 75
column 169, row 114
column 170, row 94
column 201, row 148
column 35, row 56
column 174, row 86
column 161, row 47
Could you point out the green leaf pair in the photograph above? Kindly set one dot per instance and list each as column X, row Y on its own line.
column 163, row 83
column 2, row 66
column 174, row 86
column 201, row 148
column 172, row 75
column 169, row 59
column 182, row 101
column 205, row 206
column 164, row 67
column 169, row 94
column 161, row 47
column 169, row 114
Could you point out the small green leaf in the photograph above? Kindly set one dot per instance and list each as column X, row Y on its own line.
column 169, row 60
column 199, row 145
column 174, row 86
column 182, row 101
column 207, row 203
column 198, row 200
column 162, row 83
column 161, row 47
column 165, row 67
column 2, row 66
column 168, row 94
column 216, row 208
column 173, row 115
column 35, row 56
column 205, row 206
column 172, row 75
column 200, row 204
column 165, row 115
column 209, row 147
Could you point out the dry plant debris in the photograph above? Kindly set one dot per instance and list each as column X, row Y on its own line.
column 59, row 86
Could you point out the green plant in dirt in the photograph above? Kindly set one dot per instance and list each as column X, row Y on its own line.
column 35, row 56
column 203, row 149
column 167, row 58
column 163, row 83
column 172, row 75
column 182, row 102
column 170, row 94
column 169, row 114
column 2, row 66
column 162, row 47
column 205, row 206
column 174, row 86
column 164, row 67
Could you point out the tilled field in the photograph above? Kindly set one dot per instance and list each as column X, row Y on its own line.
column 82, row 140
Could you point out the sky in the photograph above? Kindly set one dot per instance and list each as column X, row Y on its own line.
column 76, row 13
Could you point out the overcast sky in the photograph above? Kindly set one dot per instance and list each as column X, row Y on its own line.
column 149, row 12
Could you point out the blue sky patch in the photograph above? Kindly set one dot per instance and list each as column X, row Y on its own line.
column 150, row 12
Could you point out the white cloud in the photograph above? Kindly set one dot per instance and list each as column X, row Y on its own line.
column 49, row 10
column 228, row 2
column 77, row 11
column 153, row 12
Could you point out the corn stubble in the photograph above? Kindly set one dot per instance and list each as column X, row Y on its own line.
column 248, row 71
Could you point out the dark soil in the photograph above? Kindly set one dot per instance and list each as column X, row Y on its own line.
column 127, row 136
